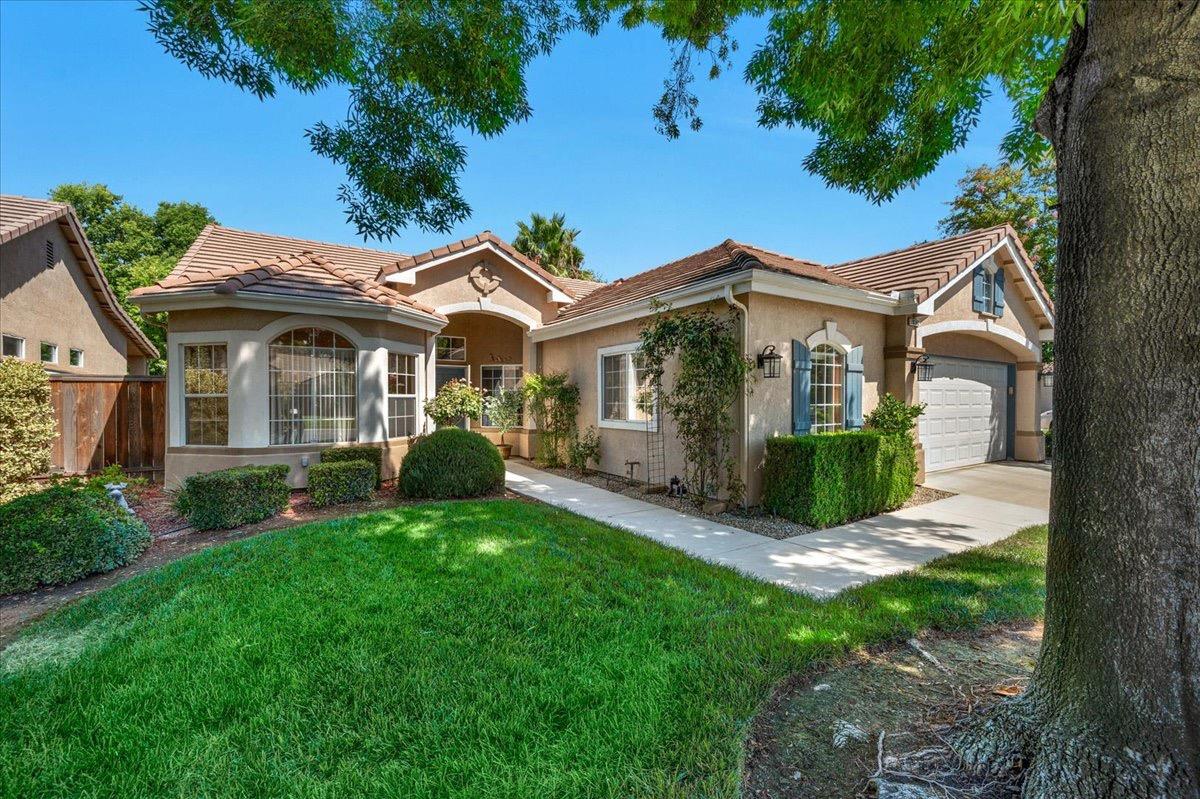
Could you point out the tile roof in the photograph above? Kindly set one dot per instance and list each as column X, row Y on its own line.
column 228, row 261
column 727, row 257
column 486, row 237
column 924, row 268
column 578, row 287
column 21, row 215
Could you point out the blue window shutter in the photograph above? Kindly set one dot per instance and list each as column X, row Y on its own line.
column 801, row 382
column 998, row 302
column 977, row 301
column 853, row 411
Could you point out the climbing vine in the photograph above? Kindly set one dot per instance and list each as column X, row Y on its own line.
column 554, row 402
column 709, row 375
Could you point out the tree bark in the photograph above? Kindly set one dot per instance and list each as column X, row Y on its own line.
column 1114, row 707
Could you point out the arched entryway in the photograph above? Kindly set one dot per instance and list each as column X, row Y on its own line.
column 980, row 397
column 489, row 350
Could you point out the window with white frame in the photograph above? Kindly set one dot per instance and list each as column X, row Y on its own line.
column 13, row 347
column 49, row 352
column 626, row 396
column 205, row 395
column 402, row 395
column 313, row 387
column 493, row 377
column 452, row 348
column 825, row 402
column 76, row 357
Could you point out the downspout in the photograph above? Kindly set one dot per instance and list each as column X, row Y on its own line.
column 732, row 302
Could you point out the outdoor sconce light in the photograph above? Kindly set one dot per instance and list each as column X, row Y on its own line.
column 1048, row 379
column 769, row 360
column 923, row 368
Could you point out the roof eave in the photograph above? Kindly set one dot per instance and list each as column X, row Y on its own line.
column 206, row 297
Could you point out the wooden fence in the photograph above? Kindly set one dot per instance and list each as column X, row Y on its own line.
column 106, row 420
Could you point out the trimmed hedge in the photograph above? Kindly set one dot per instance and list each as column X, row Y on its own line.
column 372, row 455
column 451, row 463
column 27, row 426
column 233, row 497
column 341, row 481
column 62, row 534
column 832, row 478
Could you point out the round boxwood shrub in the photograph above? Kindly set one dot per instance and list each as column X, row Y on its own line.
column 451, row 463
column 62, row 534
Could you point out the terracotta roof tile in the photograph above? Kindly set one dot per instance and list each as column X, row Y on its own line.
column 727, row 257
column 226, row 261
column 19, row 215
column 925, row 268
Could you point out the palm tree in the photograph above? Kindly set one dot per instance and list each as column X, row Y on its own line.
column 552, row 244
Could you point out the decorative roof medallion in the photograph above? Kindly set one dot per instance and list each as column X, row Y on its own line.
column 483, row 280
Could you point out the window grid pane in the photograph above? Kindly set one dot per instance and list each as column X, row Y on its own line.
column 313, row 379
column 206, row 395
column 452, row 348
column 494, row 378
column 402, row 395
column 615, row 371
column 825, row 400
column 643, row 399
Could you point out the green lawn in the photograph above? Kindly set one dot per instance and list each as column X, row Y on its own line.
column 482, row 649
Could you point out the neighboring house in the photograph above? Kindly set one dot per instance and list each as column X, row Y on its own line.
column 56, row 306
column 281, row 347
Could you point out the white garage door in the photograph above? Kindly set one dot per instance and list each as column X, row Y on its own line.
column 966, row 414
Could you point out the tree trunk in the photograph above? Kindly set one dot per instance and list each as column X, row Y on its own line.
column 1114, row 707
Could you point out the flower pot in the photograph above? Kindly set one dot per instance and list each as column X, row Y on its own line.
column 505, row 450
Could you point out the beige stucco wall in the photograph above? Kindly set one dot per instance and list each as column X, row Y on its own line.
column 448, row 284
column 956, row 305
column 58, row 306
column 779, row 320
column 577, row 356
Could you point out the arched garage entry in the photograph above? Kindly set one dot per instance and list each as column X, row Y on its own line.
column 974, row 396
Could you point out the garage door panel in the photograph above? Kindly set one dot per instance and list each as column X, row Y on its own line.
column 965, row 419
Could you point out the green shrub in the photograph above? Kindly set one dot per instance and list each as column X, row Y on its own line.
column 341, row 481
column 892, row 415
column 451, row 463
column 62, row 534
column 372, row 455
column 27, row 426
column 584, row 449
column 233, row 497
column 827, row 479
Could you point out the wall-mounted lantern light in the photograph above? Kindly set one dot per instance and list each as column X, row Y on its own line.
column 769, row 360
column 923, row 368
column 1048, row 379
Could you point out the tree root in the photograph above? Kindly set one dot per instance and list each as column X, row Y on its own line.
column 1062, row 758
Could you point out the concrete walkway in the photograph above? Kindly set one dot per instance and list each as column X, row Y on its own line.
column 995, row 500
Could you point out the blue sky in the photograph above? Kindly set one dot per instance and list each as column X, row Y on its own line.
column 86, row 94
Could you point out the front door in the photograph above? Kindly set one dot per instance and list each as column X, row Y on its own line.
column 444, row 374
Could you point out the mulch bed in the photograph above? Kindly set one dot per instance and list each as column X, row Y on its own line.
column 878, row 724
column 753, row 520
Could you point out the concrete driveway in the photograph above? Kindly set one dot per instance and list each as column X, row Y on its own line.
column 1005, row 481
column 994, row 501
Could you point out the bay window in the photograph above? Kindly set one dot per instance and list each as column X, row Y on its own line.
column 402, row 395
column 205, row 395
column 313, row 381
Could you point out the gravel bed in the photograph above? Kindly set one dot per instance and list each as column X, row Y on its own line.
column 750, row 519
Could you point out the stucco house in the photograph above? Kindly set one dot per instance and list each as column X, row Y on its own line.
column 56, row 306
column 280, row 347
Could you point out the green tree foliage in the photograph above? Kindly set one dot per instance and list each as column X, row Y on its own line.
column 135, row 248
column 894, row 415
column 1023, row 196
column 554, row 402
column 551, row 243
column 887, row 100
column 454, row 401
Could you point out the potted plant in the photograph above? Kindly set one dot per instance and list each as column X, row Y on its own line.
column 504, row 409
column 453, row 402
